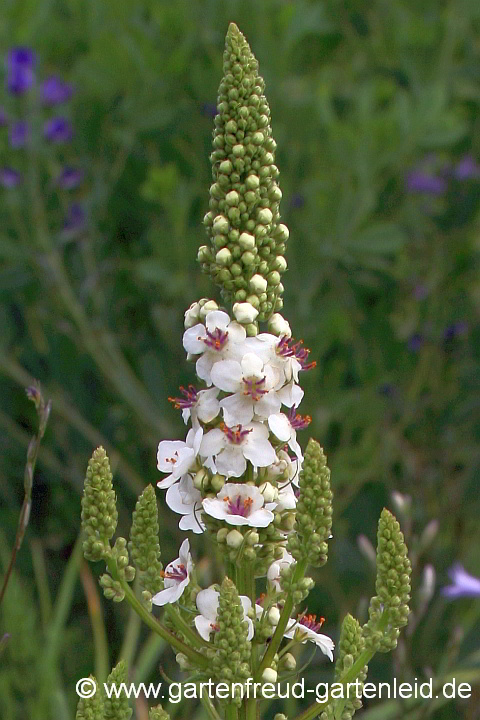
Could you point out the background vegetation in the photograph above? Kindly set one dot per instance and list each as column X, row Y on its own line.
column 375, row 109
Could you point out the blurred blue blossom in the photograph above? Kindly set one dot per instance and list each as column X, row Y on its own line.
column 18, row 133
column 297, row 201
column 70, row 178
column 55, row 91
column 455, row 330
column 415, row 342
column 467, row 168
column 75, row 220
column 20, row 64
column 419, row 181
column 9, row 178
column 209, row 110
column 58, row 130
column 463, row 584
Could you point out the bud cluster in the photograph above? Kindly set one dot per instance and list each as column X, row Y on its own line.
column 99, row 511
column 144, row 545
column 247, row 241
column 230, row 662
column 388, row 610
column 314, row 509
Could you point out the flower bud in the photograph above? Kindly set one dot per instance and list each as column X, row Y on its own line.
column 209, row 306
column 273, row 616
column 265, row 216
column 222, row 535
column 217, row 482
column 200, row 479
column 234, row 539
column 223, row 257
column 269, row 675
column 252, row 182
column 117, row 707
column 220, row 225
column 288, row 662
column 258, row 284
column 277, row 325
column 244, row 313
column 246, row 241
column 269, row 493
column 182, row 660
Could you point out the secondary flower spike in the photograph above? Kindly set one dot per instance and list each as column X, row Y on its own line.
column 99, row 511
column 144, row 544
column 247, row 240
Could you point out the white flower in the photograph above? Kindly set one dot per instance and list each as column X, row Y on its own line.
column 176, row 577
column 273, row 573
column 307, row 629
column 285, row 428
column 253, row 386
column 240, row 504
column 199, row 405
column 244, row 312
column 271, row 350
column 207, row 605
column 218, row 339
column 186, row 500
column 291, row 394
column 177, row 457
column 233, row 446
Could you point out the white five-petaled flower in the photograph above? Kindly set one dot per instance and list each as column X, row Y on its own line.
column 233, row 446
column 273, row 573
column 185, row 499
column 199, row 405
column 177, row 457
column 269, row 348
column 285, row 428
column 207, row 605
column 239, row 504
column 176, row 577
column 219, row 339
column 306, row 628
column 252, row 384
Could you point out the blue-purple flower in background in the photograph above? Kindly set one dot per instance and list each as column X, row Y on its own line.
column 20, row 65
column 9, row 178
column 463, row 584
column 75, row 220
column 70, row 178
column 18, row 134
column 419, row 181
column 58, row 130
column 466, row 168
column 55, row 91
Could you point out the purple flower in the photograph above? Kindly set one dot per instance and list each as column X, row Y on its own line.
column 70, row 178
column 455, row 330
column 20, row 64
column 421, row 182
column 464, row 585
column 18, row 134
column 415, row 342
column 58, row 130
column 75, row 220
column 55, row 91
column 9, row 177
column 297, row 201
column 467, row 168
column 209, row 110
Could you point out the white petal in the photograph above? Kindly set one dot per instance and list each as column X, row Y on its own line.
column 238, row 409
column 204, row 627
column 217, row 319
column 231, row 461
column 192, row 522
column 203, row 367
column 227, row 375
column 252, row 366
column 236, row 333
column 213, row 441
column 167, row 482
column 208, row 406
column 170, row 594
column 184, row 553
column 260, row 518
column 193, row 339
column 207, row 603
column 280, row 425
column 260, row 453
column 250, row 630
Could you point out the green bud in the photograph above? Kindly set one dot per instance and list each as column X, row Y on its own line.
column 158, row 713
column 252, row 182
column 231, row 661
column 388, row 610
column 222, row 535
column 314, row 508
column 248, row 258
column 117, row 708
column 220, row 225
column 265, row 216
column 91, row 708
column 246, row 241
column 99, row 511
column 144, row 544
column 224, row 257
column 232, row 198
column 217, row 482
column 234, row 539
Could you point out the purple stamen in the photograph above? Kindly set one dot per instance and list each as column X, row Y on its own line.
column 298, row 422
column 190, row 399
column 252, row 388
column 239, row 505
column 177, row 573
column 235, row 434
column 311, row 622
column 216, row 339
column 287, row 348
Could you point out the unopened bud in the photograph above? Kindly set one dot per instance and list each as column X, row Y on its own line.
column 279, row 326
column 217, row 482
column 246, row 241
column 258, row 284
column 269, row 493
column 244, row 313
column 234, row 539
column 269, row 675
column 209, row 306
column 273, row 616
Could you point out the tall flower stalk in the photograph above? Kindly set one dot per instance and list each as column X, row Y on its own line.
column 241, row 474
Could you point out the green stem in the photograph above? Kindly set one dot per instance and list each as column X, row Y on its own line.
column 298, row 573
column 231, row 712
column 152, row 623
column 184, row 628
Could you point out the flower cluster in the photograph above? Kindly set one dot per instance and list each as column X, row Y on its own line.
column 28, row 121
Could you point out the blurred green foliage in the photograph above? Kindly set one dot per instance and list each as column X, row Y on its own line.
column 375, row 110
